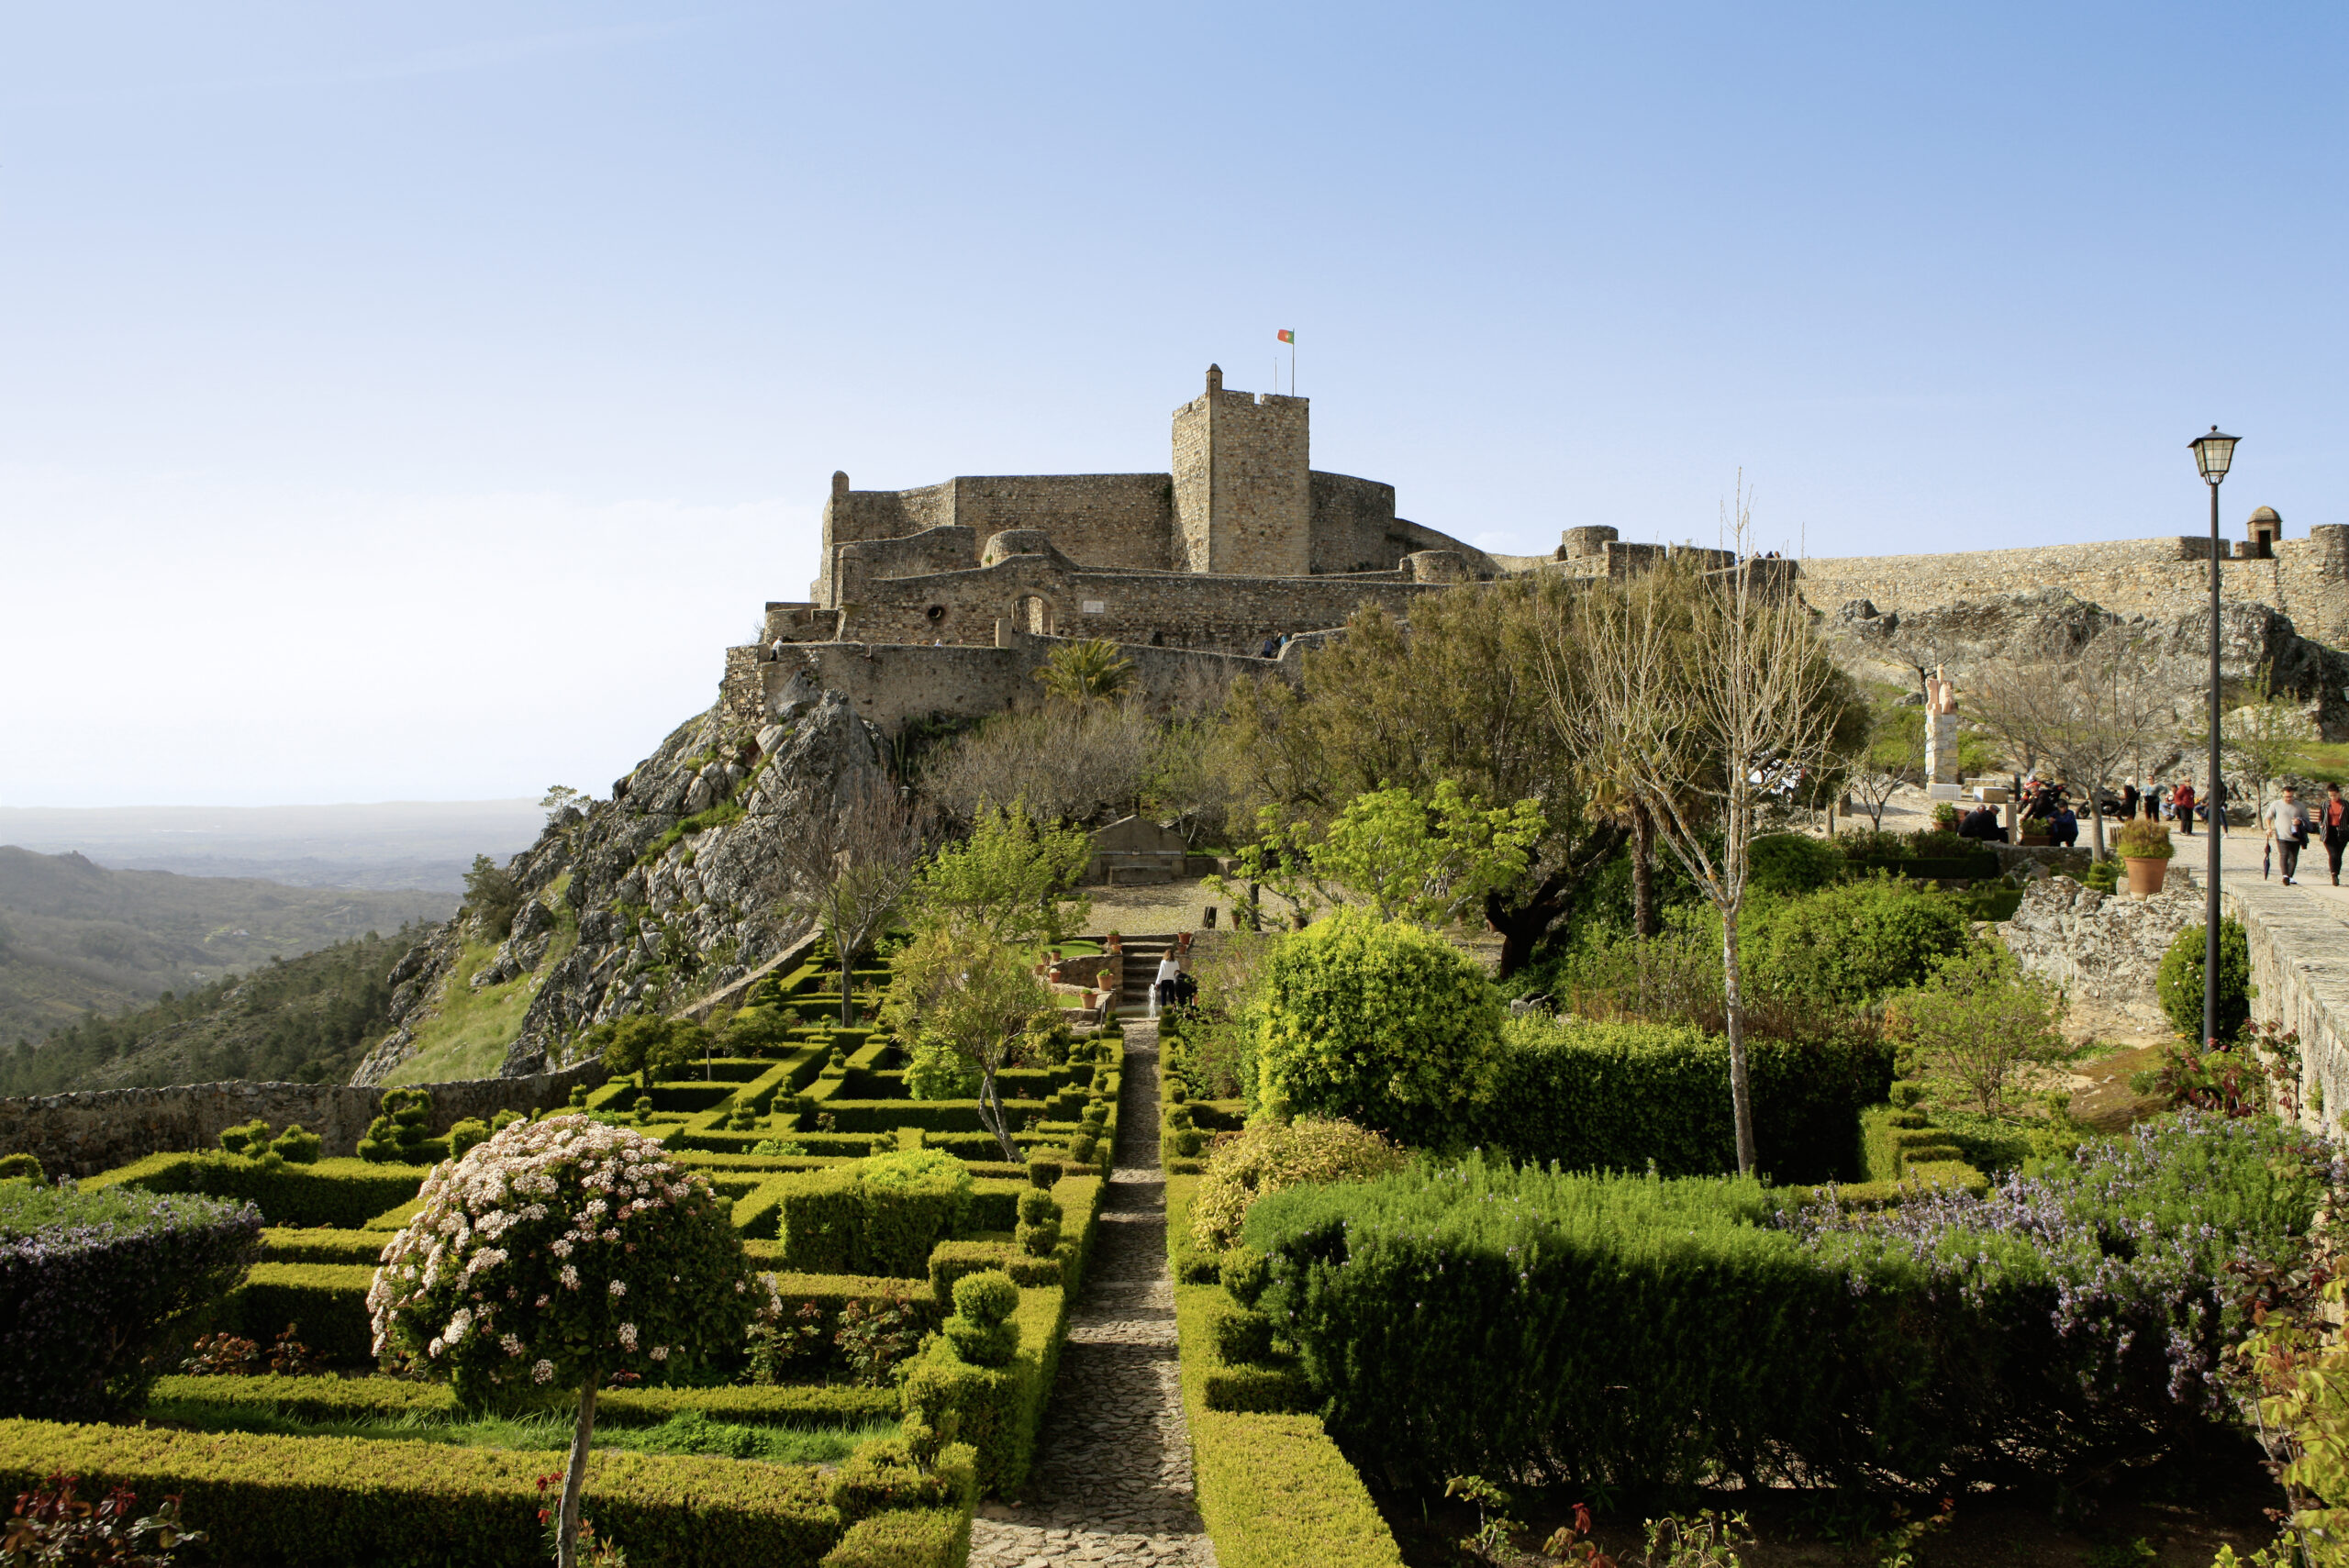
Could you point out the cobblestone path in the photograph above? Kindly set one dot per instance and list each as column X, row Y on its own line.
column 1112, row 1484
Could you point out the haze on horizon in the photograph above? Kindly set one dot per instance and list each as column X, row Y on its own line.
column 410, row 402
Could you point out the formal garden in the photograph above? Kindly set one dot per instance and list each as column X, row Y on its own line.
column 1629, row 1174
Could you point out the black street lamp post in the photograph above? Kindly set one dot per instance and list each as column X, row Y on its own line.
column 2213, row 455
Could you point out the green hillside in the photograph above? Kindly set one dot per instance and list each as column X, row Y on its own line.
column 305, row 1020
column 75, row 936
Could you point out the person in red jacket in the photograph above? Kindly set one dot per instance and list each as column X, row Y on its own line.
column 2183, row 797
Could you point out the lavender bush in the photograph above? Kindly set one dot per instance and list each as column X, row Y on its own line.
column 94, row 1288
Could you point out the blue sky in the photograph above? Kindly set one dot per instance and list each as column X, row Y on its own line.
column 410, row 402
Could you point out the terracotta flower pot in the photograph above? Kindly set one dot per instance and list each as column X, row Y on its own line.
column 2145, row 874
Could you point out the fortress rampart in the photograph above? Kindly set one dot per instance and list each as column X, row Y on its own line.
column 2307, row 579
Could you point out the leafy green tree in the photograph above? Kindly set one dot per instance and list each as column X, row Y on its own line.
column 964, row 991
column 492, row 897
column 1431, row 861
column 1009, row 882
column 558, row 797
column 1456, row 695
column 1381, row 1023
column 1980, row 1020
column 1086, row 672
column 1855, row 942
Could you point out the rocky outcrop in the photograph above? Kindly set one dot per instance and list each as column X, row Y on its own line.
column 2101, row 949
column 2050, row 623
column 659, row 894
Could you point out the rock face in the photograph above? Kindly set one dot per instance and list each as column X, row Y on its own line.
column 611, row 925
column 2100, row 948
column 2047, row 623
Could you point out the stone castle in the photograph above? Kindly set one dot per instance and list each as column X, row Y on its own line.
column 941, row 601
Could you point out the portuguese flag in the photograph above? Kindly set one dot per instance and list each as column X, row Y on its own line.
column 1287, row 335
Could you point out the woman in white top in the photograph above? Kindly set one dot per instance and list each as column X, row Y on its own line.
column 1168, row 968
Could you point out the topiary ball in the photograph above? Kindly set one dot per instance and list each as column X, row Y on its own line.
column 468, row 1134
column 1037, row 1207
column 2179, row 981
column 1042, row 1171
column 1244, row 1275
column 982, row 1344
column 1039, row 1240
column 987, row 1296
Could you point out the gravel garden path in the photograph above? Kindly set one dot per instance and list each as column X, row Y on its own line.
column 1112, row 1483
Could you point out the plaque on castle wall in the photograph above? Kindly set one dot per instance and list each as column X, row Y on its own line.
column 1094, row 607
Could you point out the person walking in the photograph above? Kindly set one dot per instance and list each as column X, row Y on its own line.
column 2333, row 817
column 2183, row 798
column 1162, row 988
column 2218, row 797
column 2287, row 830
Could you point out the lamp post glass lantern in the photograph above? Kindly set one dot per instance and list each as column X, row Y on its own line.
column 2213, row 455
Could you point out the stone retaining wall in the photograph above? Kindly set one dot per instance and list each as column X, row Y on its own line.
column 83, row 1134
column 2101, row 949
column 2297, row 962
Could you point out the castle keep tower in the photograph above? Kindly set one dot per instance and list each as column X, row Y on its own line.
column 1243, row 498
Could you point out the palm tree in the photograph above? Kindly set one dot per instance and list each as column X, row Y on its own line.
column 1086, row 671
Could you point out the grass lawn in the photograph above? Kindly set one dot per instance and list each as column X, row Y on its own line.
column 468, row 1036
column 688, row 1432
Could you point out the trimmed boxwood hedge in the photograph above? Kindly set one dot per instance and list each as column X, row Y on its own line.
column 345, row 1194
column 1600, row 1096
column 1272, row 1489
column 327, row 1304
column 997, row 1410
column 368, row 1398
column 1642, row 1331
column 312, row 1501
column 97, row 1287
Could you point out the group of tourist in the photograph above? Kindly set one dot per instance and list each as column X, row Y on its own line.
column 1173, row 986
column 2289, row 823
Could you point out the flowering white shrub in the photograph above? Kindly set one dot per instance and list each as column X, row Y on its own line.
column 557, row 1254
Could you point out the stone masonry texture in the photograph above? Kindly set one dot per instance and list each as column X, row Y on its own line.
column 1112, row 1483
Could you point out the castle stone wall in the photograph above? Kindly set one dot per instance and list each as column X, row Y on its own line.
column 1177, row 609
column 1102, row 520
column 890, row 684
column 2307, row 579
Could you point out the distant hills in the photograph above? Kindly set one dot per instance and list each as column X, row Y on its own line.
column 304, row 1020
column 75, row 936
column 423, row 845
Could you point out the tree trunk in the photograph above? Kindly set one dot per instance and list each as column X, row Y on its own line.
column 991, row 1114
column 1645, row 920
column 574, row 1479
column 1741, row 1090
column 846, row 1019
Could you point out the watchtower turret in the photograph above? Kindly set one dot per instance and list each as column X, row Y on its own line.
column 1243, row 492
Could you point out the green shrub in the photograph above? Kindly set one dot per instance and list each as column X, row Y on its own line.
column 981, row 1330
column 343, row 1194
column 2179, row 982
column 1381, row 1023
column 277, row 1502
column 1647, row 1331
column 1610, row 1096
column 996, row 1411
column 251, row 1138
column 2103, row 876
column 400, row 1132
column 96, row 1283
column 880, row 1215
column 2142, row 837
column 21, row 1168
column 1787, row 864
column 1855, row 941
column 1268, row 1156
column 327, row 1301
column 297, row 1147
column 1981, row 1019
column 465, row 1135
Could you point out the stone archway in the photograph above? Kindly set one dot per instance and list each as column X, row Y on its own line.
column 1033, row 613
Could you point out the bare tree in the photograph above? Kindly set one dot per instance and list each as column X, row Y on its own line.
column 1069, row 761
column 1716, row 692
column 851, row 870
column 1893, row 758
column 2089, row 713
